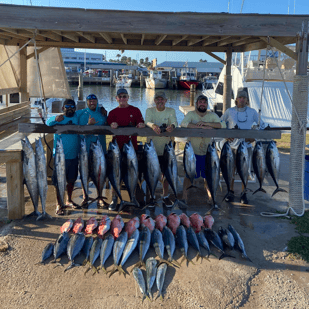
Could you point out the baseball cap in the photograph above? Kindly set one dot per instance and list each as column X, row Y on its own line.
column 69, row 102
column 201, row 97
column 122, row 90
column 92, row 97
column 242, row 93
column 160, row 94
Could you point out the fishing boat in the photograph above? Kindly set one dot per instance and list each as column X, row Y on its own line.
column 187, row 78
column 124, row 81
column 156, row 80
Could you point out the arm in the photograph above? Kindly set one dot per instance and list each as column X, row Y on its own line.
column 111, row 120
column 139, row 119
column 172, row 121
column 54, row 120
column 149, row 123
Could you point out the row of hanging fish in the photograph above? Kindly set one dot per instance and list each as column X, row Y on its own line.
column 35, row 175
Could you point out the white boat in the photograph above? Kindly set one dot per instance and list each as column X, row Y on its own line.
column 156, row 80
column 124, row 81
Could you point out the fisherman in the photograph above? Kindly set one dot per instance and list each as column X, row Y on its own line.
column 71, row 144
column 200, row 118
column 124, row 115
column 244, row 117
column 160, row 119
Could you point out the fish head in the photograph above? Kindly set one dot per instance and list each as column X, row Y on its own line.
column 209, row 221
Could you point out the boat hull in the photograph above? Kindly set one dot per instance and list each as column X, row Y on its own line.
column 152, row 83
column 186, row 84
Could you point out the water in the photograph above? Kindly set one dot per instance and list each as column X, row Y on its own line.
column 139, row 97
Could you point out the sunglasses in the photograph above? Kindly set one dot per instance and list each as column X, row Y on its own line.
column 69, row 106
column 122, row 96
column 91, row 97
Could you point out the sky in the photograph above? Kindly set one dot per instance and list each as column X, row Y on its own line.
column 299, row 7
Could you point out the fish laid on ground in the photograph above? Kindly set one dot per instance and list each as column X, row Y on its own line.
column 86, row 248
column 227, row 163
column 161, row 271
column 61, row 244
column 91, row 225
column 215, row 240
column 151, row 272
column 59, row 174
column 147, row 221
column 273, row 164
column 97, row 168
column 170, row 169
column 204, row 242
column 29, row 171
column 84, row 167
column 189, row 162
column 143, row 246
column 209, row 221
column 173, row 221
column 94, row 253
column 66, row 226
column 182, row 243
column 184, row 220
column 239, row 243
column 242, row 164
column 227, row 238
column 106, row 250
column 47, row 252
column 139, row 278
column 117, row 226
column 75, row 245
column 41, row 173
column 161, row 222
column 152, row 169
column 104, row 226
column 119, row 246
column 158, row 244
column 78, row 225
column 130, row 171
column 170, row 244
column 259, row 164
column 196, row 222
column 193, row 241
column 212, row 172
column 131, row 226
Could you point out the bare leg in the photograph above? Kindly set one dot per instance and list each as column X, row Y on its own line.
column 165, row 187
column 207, row 190
column 186, row 185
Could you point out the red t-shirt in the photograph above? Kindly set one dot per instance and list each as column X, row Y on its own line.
column 129, row 116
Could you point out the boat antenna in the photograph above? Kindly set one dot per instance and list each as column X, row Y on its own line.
column 242, row 5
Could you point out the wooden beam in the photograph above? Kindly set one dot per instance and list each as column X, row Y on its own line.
column 3, row 41
column 12, row 115
column 245, row 41
column 160, row 39
column 106, row 37
column 10, row 156
column 72, row 37
column 87, row 36
column 14, row 107
column 212, row 40
column 51, row 35
column 192, row 42
column 274, row 43
column 143, row 38
column 229, row 41
column 41, row 50
column 176, row 41
column 216, row 57
column 9, row 90
column 125, row 41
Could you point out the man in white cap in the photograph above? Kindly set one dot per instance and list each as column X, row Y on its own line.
column 164, row 117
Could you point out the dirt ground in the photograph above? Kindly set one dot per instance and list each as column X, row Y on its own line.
column 273, row 280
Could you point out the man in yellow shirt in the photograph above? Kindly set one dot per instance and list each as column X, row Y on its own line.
column 202, row 119
column 164, row 117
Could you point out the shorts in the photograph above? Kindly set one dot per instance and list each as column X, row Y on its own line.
column 200, row 166
column 161, row 162
column 71, row 170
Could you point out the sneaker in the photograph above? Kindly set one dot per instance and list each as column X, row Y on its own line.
column 243, row 199
column 230, row 197
column 167, row 202
column 113, row 205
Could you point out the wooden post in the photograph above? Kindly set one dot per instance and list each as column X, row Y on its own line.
column 141, row 80
column 192, row 94
column 111, row 78
column 23, row 95
column 15, row 189
column 227, row 88
column 80, row 87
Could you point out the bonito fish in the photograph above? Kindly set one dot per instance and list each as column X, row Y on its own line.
column 75, row 245
column 151, row 272
column 161, row 271
column 106, row 250
column 138, row 276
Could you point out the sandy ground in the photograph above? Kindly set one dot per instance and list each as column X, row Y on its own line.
column 271, row 281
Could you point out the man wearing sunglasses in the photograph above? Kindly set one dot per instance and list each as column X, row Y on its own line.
column 243, row 117
column 71, row 149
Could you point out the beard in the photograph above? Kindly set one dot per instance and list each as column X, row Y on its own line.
column 202, row 109
column 69, row 113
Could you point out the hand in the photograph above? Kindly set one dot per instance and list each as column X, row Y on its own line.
column 206, row 127
column 91, row 121
column 200, row 123
column 156, row 129
column 170, row 128
column 140, row 125
column 103, row 111
column 59, row 118
column 249, row 140
column 114, row 125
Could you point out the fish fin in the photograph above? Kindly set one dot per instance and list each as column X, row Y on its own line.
column 139, row 264
column 278, row 190
column 199, row 256
column 112, row 271
column 150, row 294
column 121, row 271
column 34, row 213
column 259, row 189
column 189, row 261
column 95, row 271
column 69, row 267
column 44, row 215
column 87, row 270
column 246, row 257
column 223, row 255
column 161, row 261
column 85, row 262
column 175, row 263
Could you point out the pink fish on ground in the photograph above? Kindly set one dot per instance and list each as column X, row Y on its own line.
column 209, row 221
column 117, row 226
column 147, row 221
column 78, row 225
column 131, row 226
column 161, row 222
column 104, row 226
column 196, row 222
column 173, row 221
column 66, row 226
column 92, row 224
column 185, row 221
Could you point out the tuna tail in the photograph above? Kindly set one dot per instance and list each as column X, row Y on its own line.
column 95, row 270
column 159, row 295
column 199, row 255
column 150, row 294
column 259, row 189
column 278, row 190
column 135, row 202
column 165, row 261
column 223, row 255
column 174, row 262
column 113, row 270
column 186, row 258
column 211, row 253
column 181, row 204
column 192, row 186
column 86, row 261
column 87, row 270
column 121, row 270
column 34, row 213
column 246, row 257
column 102, row 268
column 139, row 264
column 44, row 215
column 70, row 266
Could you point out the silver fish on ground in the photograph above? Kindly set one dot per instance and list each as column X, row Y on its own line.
column 170, row 244
column 152, row 170
column 273, row 164
column 130, row 172
column 212, row 172
column 189, row 163
column 106, row 250
column 61, row 244
column 259, row 164
column 193, row 241
column 75, row 245
column 227, row 162
column 161, row 271
column 47, row 252
column 158, row 244
column 94, row 253
column 242, row 164
column 29, row 171
column 41, row 174
column 139, row 278
column 59, row 176
column 143, row 246
column 84, row 169
column 204, row 242
column 86, row 248
column 119, row 246
column 182, row 243
column 239, row 243
column 97, row 169
column 151, row 272
column 227, row 238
